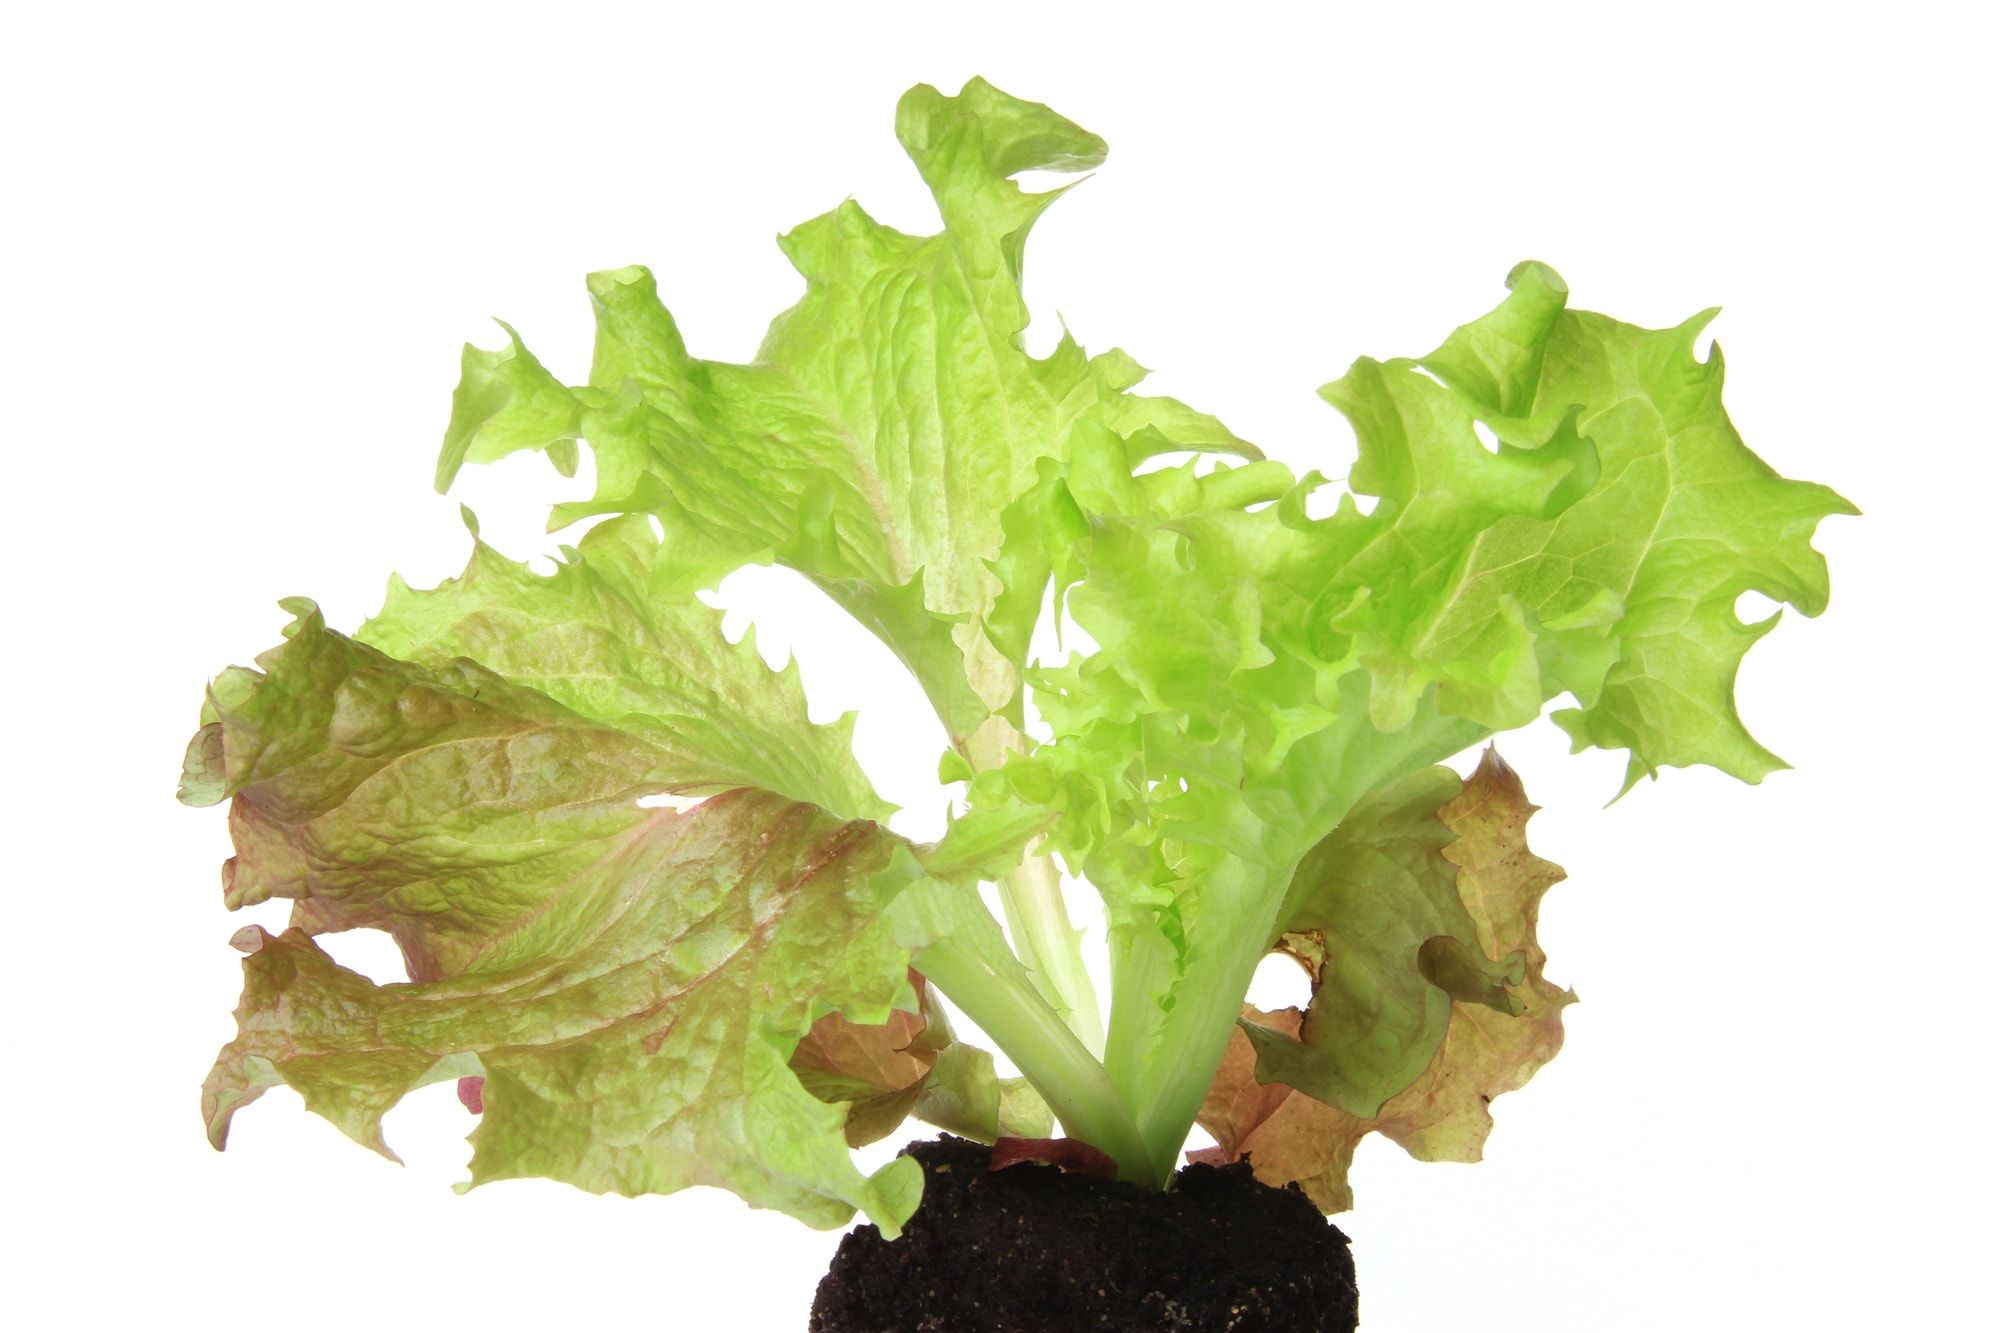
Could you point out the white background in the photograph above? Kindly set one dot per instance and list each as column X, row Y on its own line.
column 246, row 246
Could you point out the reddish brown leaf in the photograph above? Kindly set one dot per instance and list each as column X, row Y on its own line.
column 1290, row 1137
column 1068, row 1154
column 878, row 1069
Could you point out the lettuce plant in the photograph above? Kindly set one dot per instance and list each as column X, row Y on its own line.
column 653, row 919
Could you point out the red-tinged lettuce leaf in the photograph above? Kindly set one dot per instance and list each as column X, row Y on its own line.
column 629, row 982
column 884, row 1072
column 1486, row 1048
column 1374, row 915
column 876, row 1070
column 1073, row 1155
column 606, row 636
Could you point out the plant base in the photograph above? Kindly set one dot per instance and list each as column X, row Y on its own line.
column 1034, row 1248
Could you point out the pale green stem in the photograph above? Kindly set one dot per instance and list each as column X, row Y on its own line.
column 1192, row 1042
column 1068, row 1076
column 1037, row 919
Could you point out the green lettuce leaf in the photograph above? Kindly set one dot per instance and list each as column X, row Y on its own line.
column 888, row 427
column 1632, row 583
column 603, row 638
column 1484, row 1050
column 884, row 426
column 1258, row 670
column 631, row 982
column 967, row 1097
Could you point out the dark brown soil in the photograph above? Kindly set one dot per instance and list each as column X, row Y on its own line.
column 1032, row 1249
